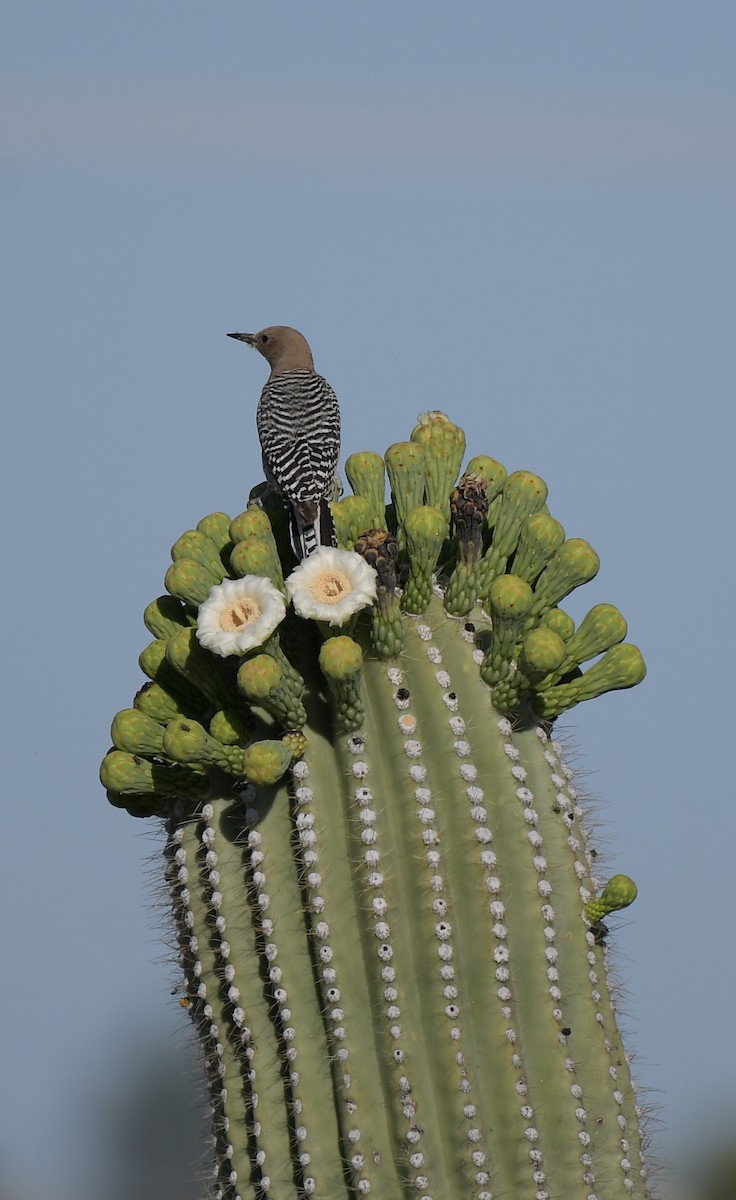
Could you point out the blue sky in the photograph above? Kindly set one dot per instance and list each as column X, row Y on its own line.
column 522, row 214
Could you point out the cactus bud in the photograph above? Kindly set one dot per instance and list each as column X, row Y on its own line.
column 367, row 477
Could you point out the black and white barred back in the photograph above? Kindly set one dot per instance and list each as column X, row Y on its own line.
column 298, row 423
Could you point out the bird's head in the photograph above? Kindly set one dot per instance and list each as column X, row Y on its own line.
column 283, row 347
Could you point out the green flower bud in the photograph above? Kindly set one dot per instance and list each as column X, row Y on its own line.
column 574, row 563
column 425, row 530
column 212, row 677
column 165, row 616
column 341, row 660
column 367, row 477
column 557, row 619
column 522, row 495
column 230, row 726
column 198, row 547
column 162, row 705
column 444, row 448
column 189, row 581
column 619, row 892
column 136, row 733
column 253, row 522
column 129, row 774
column 541, row 536
column 352, row 517
column 187, row 741
column 510, row 599
column 602, row 628
column 620, row 667
column 542, row 651
column 216, row 526
column 407, row 475
column 257, row 556
column 265, row 762
column 264, row 683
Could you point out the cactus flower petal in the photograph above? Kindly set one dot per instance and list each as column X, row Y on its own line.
column 239, row 614
column 331, row 585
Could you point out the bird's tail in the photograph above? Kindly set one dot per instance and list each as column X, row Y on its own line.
column 311, row 527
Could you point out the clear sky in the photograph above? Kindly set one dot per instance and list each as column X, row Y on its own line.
column 520, row 213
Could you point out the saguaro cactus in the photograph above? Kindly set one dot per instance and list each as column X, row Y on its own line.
column 392, row 945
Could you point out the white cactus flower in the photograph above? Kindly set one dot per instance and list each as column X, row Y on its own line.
column 239, row 614
column 331, row 585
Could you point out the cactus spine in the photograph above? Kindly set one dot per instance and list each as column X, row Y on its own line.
column 391, row 940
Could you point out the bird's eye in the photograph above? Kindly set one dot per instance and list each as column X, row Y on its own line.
column 264, row 337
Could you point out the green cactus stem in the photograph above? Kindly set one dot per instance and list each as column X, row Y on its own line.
column 391, row 939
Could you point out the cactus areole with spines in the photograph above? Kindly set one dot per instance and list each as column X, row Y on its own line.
column 390, row 934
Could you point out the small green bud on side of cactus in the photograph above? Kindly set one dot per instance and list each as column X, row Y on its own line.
column 264, row 763
column 165, row 616
column 367, row 477
column 136, row 733
column 444, row 447
column 198, row 547
column 341, row 660
column 425, row 529
column 407, row 476
column 619, row 892
column 263, row 682
column 351, row 516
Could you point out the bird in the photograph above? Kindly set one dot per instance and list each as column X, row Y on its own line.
column 298, row 423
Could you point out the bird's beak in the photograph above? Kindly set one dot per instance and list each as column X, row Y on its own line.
column 250, row 338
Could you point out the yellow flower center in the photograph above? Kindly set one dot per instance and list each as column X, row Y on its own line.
column 243, row 612
column 330, row 587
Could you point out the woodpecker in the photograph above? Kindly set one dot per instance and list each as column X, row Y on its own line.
column 298, row 423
